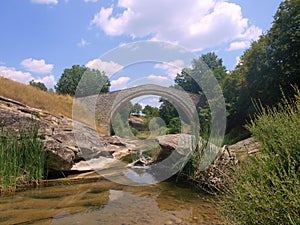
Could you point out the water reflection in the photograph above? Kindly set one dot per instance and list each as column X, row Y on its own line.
column 107, row 203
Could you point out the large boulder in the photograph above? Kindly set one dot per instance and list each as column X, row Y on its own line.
column 66, row 142
column 183, row 144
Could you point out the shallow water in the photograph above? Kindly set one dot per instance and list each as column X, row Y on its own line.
column 108, row 203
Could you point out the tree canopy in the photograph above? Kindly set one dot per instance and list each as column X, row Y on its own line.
column 136, row 109
column 269, row 67
column 38, row 85
column 82, row 81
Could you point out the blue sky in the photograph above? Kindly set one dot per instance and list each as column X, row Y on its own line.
column 40, row 38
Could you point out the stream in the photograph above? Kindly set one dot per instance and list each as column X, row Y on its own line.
column 104, row 202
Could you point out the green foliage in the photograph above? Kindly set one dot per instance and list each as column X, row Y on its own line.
column 174, row 126
column 200, row 67
column 284, row 45
column 38, row 85
column 205, row 121
column 119, row 121
column 136, row 109
column 269, row 65
column 150, row 111
column 21, row 158
column 93, row 82
column 119, row 126
column 167, row 111
column 157, row 127
column 265, row 189
column 82, row 81
column 185, row 81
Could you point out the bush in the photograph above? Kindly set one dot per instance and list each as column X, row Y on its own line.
column 38, row 85
column 266, row 188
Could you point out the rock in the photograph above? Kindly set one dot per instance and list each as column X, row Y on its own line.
column 136, row 123
column 94, row 164
column 183, row 144
column 66, row 142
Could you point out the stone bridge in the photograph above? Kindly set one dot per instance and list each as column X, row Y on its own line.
column 104, row 106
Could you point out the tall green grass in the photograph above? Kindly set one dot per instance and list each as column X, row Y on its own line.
column 266, row 188
column 21, row 158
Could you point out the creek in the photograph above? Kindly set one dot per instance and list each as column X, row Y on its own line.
column 100, row 201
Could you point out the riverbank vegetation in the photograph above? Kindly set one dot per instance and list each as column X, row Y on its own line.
column 266, row 188
column 21, row 158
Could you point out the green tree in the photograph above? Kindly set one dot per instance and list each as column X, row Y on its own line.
column 215, row 64
column 38, row 85
column 198, row 71
column 271, row 64
column 284, row 47
column 174, row 126
column 82, row 81
column 167, row 111
column 150, row 111
column 201, row 72
column 136, row 109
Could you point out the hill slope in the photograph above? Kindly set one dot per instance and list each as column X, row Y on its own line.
column 33, row 97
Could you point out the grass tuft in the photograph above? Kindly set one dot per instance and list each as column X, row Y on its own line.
column 21, row 159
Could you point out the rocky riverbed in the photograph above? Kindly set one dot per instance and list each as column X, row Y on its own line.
column 83, row 149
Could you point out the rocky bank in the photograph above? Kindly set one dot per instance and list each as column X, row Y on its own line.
column 64, row 152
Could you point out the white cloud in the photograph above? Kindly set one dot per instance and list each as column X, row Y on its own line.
column 120, row 83
column 157, row 78
column 49, row 81
column 108, row 67
column 25, row 77
column 238, row 45
column 82, row 43
column 193, row 24
column 47, row 2
column 171, row 68
column 37, row 66
column 154, row 100
column 251, row 34
column 16, row 75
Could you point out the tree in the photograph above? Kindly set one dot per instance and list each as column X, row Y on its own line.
column 174, row 126
column 82, row 81
column 186, row 79
column 38, row 85
column 270, row 66
column 201, row 73
column 215, row 64
column 136, row 109
column 150, row 111
column 167, row 111
column 284, row 47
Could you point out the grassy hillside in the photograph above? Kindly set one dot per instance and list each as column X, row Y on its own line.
column 33, row 97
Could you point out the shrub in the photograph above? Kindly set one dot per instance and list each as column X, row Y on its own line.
column 266, row 188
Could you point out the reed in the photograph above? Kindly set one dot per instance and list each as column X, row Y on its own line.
column 21, row 158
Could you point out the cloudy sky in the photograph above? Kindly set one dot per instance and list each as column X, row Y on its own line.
column 40, row 38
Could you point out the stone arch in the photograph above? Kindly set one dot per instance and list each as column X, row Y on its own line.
column 185, row 103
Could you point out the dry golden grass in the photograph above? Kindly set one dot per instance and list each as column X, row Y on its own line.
column 55, row 104
column 33, row 97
